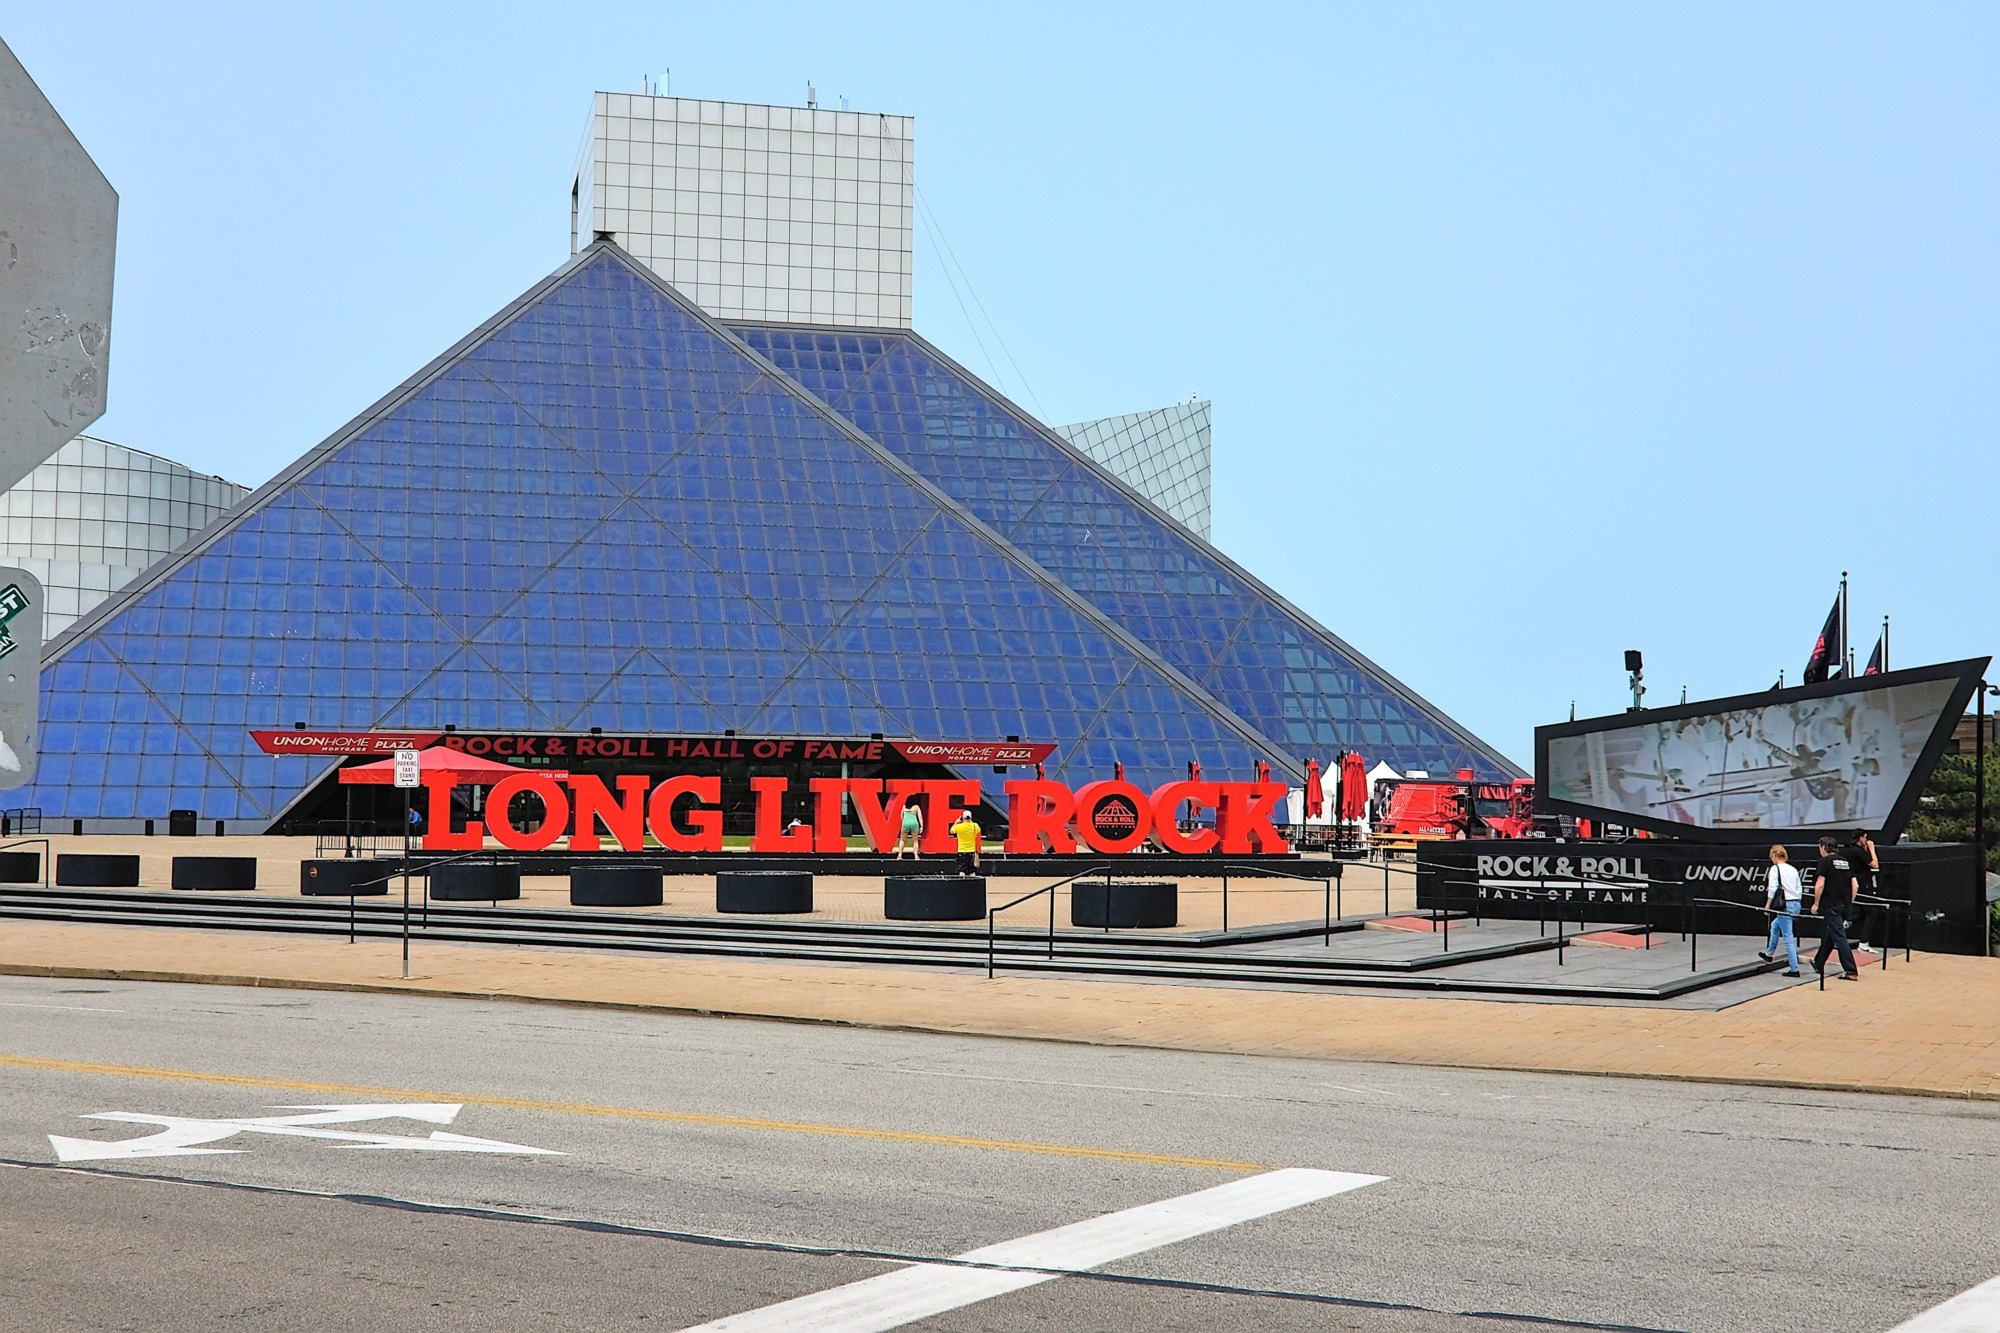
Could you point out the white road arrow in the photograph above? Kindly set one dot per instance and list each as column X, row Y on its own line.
column 180, row 1136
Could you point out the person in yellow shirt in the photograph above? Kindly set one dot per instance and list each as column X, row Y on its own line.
column 966, row 830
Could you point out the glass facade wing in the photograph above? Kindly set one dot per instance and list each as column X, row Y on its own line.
column 1287, row 677
column 601, row 511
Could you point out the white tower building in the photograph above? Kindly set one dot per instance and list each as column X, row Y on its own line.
column 797, row 214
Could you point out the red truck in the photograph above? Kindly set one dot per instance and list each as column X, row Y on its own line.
column 1407, row 811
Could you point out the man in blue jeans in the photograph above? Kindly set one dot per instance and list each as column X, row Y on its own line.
column 1833, row 895
column 1782, row 903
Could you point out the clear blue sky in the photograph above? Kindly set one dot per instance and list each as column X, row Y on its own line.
column 1535, row 332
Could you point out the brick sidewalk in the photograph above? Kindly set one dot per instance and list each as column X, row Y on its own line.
column 1931, row 1027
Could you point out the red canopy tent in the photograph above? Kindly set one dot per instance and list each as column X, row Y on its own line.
column 438, row 759
column 1315, row 792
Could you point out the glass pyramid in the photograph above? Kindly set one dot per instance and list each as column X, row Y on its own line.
column 598, row 510
column 1272, row 666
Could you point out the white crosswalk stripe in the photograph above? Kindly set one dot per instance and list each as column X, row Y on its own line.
column 1975, row 1311
column 918, row 1292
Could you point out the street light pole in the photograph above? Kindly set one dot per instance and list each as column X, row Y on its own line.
column 1979, row 798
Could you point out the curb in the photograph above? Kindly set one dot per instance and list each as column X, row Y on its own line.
column 385, row 988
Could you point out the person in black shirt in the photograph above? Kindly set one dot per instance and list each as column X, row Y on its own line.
column 1862, row 919
column 1833, row 895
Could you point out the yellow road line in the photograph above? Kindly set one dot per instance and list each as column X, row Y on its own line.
column 627, row 1113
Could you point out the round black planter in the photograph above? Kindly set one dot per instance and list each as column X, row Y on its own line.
column 615, row 886
column 20, row 867
column 476, row 882
column 934, row 897
column 764, row 891
column 342, row 879
column 215, row 872
column 82, row 870
column 1124, row 903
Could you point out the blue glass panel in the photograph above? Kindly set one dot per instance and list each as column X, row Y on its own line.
column 606, row 513
column 1165, row 586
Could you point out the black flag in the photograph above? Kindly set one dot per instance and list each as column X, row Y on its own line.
column 1874, row 667
column 1821, row 661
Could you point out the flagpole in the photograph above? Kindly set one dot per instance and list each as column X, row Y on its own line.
column 1846, row 658
column 1885, row 644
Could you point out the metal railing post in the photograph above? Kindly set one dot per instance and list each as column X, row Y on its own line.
column 1225, row 899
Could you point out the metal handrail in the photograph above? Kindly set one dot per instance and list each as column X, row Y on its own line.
column 1050, row 889
column 1331, row 883
column 1764, row 910
column 48, row 853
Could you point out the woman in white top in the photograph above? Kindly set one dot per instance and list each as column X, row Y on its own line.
column 1785, row 892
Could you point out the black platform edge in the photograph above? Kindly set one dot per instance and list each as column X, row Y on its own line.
column 475, row 882
column 95, row 870
column 870, row 864
column 345, row 879
column 674, row 921
column 764, row 892
column 934, row 897
column 615, row 886
column 381, row 921
column 214, row 873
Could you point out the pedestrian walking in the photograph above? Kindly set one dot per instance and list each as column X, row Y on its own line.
column 1782, row 901
column 966, row 830
column 911, row 832
column 1867, row 868
column 1833, row 895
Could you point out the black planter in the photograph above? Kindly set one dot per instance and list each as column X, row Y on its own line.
column 84, row 870
column 215, row 872
column 20, row 867
column 1124, row 903
column 615, row 886
column 934, row 897
column 180, row 824
column 476, row 881
column 342, row 879
column 764, row 891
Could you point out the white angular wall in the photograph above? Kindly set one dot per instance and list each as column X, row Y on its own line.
column 1163, row 454
column 93, row 517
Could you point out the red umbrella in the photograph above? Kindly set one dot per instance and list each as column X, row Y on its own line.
column 1353, row 787
column 1315, row 793
column 466, row 768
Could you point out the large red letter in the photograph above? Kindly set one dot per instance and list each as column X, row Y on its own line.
column 944, row 799
column 1038, row 815
column 1127, row 814
column 705, row 821
column 438, row 836
column 768, row 834
column 554, row 804
column 1244, row 816
column 1167, row 817
column 827, row 837
column 878, row 821
column 625, row 818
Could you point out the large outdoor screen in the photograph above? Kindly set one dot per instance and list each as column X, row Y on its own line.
column 1845, row 755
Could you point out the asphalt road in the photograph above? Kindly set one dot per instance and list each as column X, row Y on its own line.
column 692, row 1169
